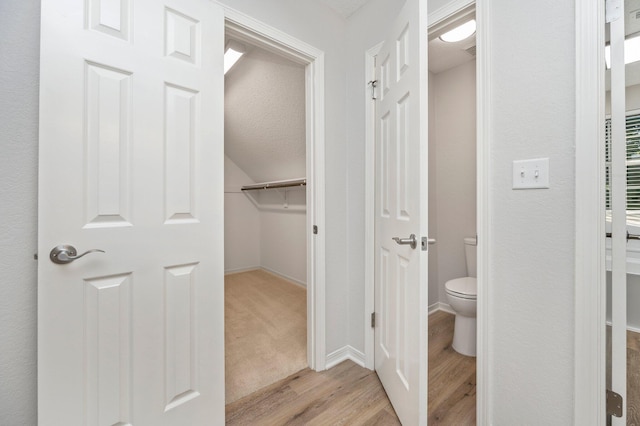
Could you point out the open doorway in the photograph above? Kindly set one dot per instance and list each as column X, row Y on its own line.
column 265, row 219
column 283, row 243
column 452, row 219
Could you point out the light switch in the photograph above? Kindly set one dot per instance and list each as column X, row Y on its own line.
column 531, row 174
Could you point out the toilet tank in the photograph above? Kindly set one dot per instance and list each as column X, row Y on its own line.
column 470, row 244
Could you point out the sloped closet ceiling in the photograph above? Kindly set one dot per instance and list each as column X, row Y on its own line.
column 265, row 116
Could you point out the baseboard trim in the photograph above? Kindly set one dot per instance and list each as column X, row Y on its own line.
column 343, row 354
column 439, row 306
column 241, row 270
column 284, row 276
column 271, row 271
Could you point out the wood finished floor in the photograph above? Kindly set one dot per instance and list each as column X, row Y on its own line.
column 344, row 395
column 452, row 377
column 633, row 378
column 351, row 395
column 633, row 375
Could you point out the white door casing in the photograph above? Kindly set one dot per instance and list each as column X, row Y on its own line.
column 618, row 186
column 131, row 162
column 401, row 210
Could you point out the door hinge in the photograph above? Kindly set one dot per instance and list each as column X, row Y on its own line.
column 373, row 84
column 315, row 229
column 614, row 404
column 373, row 319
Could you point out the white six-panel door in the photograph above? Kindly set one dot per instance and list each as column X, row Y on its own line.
column 131, row 162
column 401, row 210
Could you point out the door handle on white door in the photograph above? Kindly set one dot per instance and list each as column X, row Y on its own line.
column 411, row 241
column 63, row 254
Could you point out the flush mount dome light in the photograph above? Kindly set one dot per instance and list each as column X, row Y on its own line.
column 459, row 33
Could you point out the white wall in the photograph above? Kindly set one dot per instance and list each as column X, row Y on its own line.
column 241, row 222
column 283, row 232
column 434, row 287
column 531, row 241
column 19, row 74
column 273, row 238
column 454, row 125
column 283, row 244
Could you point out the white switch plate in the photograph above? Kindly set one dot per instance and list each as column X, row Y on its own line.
column 531, row 174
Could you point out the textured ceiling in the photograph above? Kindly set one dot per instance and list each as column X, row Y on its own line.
column 344, row 7
column 265, row 117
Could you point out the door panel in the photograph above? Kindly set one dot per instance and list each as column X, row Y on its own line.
column 131, row 162
column 401, row 209
column 108, row 123
column 108, row 349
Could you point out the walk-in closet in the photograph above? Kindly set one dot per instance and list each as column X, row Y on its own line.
column 265, row 219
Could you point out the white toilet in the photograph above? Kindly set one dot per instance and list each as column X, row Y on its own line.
column 461, row 296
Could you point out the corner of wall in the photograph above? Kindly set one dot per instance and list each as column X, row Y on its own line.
column 19, row 77
column 345, row 353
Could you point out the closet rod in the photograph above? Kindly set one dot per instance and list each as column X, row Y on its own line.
column 276, row 184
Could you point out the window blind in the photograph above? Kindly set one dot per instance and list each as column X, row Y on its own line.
column 633, row 166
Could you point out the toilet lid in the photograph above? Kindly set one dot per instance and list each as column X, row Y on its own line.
column 465, row 287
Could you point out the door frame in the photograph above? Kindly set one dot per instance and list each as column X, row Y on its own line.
column 483, row 214
column 590, row 270
column 248, row 29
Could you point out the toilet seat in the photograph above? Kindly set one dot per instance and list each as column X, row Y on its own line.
column 464, row 288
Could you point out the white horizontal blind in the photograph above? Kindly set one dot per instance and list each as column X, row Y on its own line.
column 633, row 166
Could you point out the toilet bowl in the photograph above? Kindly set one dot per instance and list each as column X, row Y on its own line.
column 461, row 296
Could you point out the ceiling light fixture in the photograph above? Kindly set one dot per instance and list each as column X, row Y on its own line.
column 631, row 51
column 233, row 53
column 460, row 33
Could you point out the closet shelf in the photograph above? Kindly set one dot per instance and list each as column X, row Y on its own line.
column 276, row 184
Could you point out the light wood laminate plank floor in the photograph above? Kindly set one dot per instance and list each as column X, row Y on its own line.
column 452, row 377
column 633, row 375
column 344, row 395
column 633, row 378
column 351, row 395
